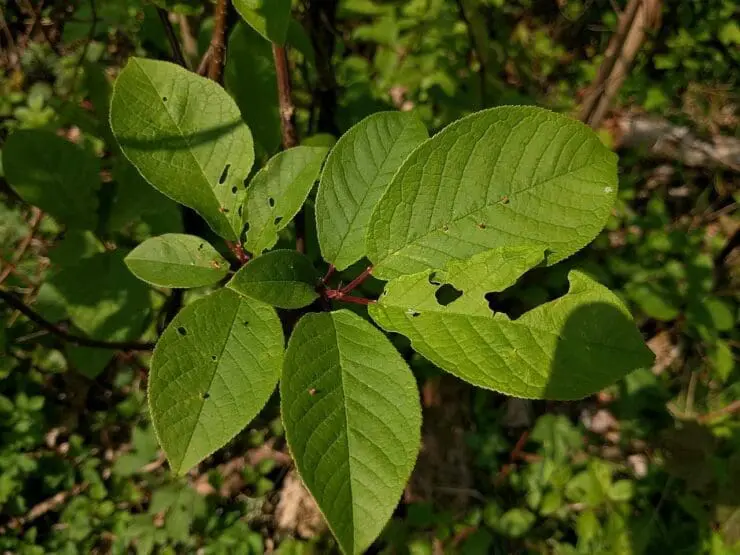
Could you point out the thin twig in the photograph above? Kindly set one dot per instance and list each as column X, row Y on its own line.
column 205, row 62
column 10, row 53
column 42, row 322
column 476, row 48
column 177, row 55
column 217, row 42
column 329, row 273
column 515, row 455
column 90, row 37
column 45, row 506
column 36, row 217
column 726, row 410
column 357, row 281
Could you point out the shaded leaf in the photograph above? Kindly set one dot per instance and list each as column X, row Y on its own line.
column 54, row 174
column 277, row 192
column 185, row 135
column 564, row 349
column 501, row 177
column 352, row 420
column 282, row 278
column 249, row 75
column 102, row 298
column 177, row 260
column 356, row 174
column 270, row 18
column 212, row 371
column 137, row 201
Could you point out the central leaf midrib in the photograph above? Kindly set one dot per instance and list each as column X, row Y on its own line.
column 161, row 262
column 346, row 423
column 213, row 377
column 367, row 192
column 187, row 142
column 414, row 241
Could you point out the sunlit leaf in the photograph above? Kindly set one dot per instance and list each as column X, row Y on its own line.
column 352, row 419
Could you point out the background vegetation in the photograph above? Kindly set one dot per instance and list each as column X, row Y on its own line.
column 651, row 464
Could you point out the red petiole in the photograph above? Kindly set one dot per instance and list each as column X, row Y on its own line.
column 341, row 294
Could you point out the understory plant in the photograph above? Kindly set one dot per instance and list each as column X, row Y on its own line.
column 444, row 221
column 447, row 222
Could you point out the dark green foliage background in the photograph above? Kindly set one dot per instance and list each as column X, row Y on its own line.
column 640, row 468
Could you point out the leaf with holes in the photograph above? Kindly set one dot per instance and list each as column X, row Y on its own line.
column 501, row 177
column 57, row 176
column 277, row 192
column 270, row 18
column 565, row 349
column 177, row 260
column 282, row 278
column 352, row 420
column 249, row 75
column 356, row 174
column 185, row 135
column 212, row 371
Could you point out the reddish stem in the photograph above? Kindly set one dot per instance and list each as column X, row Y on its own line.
column 329, row 273
column 239, row 252
column 217, row 41
column 357, row 281
column 354, row 300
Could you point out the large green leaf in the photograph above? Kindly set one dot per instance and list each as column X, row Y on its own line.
column 277, row 192
column 185, row 135
column 355, row 176
column 352, row 419
column 282, row 278
column 501, row 177
column 249, row 75
column 177, row 260
column 269, row 18
column 55, row 175
column 564, row 349
column 212, row 371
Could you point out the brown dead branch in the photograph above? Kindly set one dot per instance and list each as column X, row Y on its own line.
column 638, row 17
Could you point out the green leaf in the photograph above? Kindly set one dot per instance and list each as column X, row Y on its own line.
column 270, row 18
column 559, row 438
column 564, row 349
column 352, row 420
column 177, row 260
column 249, row 75
column 102, row 298
column 356, row 174
column 516, row 522
column 185, row 135
column 57, row 176
column 282, row 278
column 277, row 192
column 212, row 371
column 501, row 177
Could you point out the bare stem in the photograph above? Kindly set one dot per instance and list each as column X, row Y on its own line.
column 217, row 42
column 287, row 127
column 357, row 281
column 287, row 110
column 238, row 250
